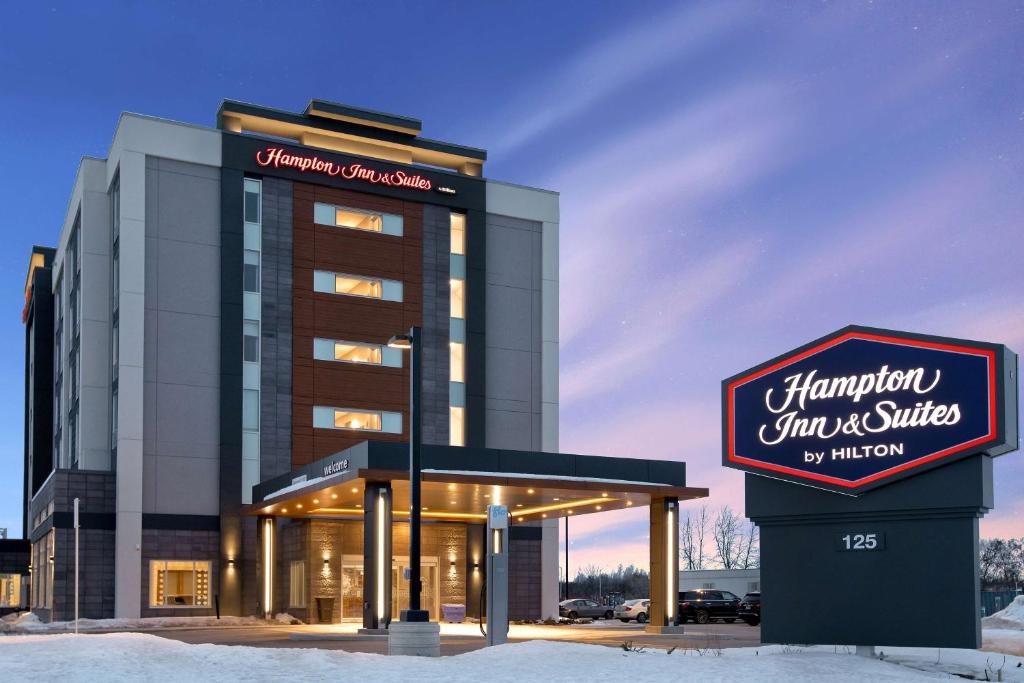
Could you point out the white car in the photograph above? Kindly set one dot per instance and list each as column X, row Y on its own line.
column 633, row 609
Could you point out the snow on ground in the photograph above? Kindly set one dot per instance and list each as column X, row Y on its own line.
column 30, row 623
column 1011, row 618
column 1007, row 641
column 142, row 657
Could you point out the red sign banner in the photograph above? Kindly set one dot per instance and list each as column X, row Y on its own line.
column 277, row 157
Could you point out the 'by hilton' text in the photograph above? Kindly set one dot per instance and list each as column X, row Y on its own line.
column 279, row 158
column 803, row 389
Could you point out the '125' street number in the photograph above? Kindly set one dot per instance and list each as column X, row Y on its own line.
column 862, row 542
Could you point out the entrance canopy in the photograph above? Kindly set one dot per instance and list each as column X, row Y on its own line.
column 459, row 483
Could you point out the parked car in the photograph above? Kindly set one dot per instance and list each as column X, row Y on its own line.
column 633, row 609
column 576, row 608
column 750, row 608
column 704, row 604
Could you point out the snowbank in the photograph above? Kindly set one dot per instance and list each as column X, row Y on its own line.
column 143, row 657
column 1011, row 618
column 30, row 623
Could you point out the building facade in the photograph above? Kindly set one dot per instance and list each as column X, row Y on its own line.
column 213, row 323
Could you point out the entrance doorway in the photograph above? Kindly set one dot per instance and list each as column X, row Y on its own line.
column 352, row 586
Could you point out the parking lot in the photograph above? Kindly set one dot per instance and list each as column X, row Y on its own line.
column 459, row 638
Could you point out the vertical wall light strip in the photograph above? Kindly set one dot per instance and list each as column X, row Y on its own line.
column 670, row 552
column 380, row 557
column 268, row 558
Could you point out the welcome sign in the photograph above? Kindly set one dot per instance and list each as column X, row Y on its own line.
column 862, row 407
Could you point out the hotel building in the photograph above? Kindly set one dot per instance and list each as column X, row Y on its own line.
column 207, row 371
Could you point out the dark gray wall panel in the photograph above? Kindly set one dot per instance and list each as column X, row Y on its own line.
column 436, row 314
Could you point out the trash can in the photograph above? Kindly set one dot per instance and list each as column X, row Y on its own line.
column 325, row 610
column 453, row 613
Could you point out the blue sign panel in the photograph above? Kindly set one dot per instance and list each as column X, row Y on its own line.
column 862, row 407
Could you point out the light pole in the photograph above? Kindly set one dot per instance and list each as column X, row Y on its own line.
column 411, row 342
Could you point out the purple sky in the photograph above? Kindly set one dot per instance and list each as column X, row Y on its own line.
column 736, row 178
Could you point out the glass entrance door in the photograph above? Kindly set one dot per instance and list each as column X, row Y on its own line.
column 352, row 587
column 429, row 595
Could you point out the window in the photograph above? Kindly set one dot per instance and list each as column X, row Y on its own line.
column 458, row 224
column 250, row 409
column 251, row 271
column 457, row 363
column 457, row 429
column 354, row 418
column 458, row 304
column 179, row 583
column 357, row 219
column 357, row 285
column 252, row 200
column 297, row 584
column 356, row 352
column 251, row 341
column 10, row 590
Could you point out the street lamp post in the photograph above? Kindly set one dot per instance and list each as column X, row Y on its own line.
column 411, row 342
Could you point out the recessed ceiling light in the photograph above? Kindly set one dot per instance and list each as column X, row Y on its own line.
column 425, row 508
column 284, row 509
column 570, row 512
column 628, row 503
column 298, row 505
column 316, row 501
column 358, row 505
column 604, row 495
column 555, row 499
column 598, row 507
column 355, row 490
column 544, row 516
column 334, row 496
column 519, row 505
column 451, row 487
column 529, row 490
column 451, row 502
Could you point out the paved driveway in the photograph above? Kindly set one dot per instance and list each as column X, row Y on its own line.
column 459, row 638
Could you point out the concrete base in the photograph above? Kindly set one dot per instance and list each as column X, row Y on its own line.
column 414, row 638
column 664, row 630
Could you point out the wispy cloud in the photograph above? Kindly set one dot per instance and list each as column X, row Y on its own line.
column 610, row 64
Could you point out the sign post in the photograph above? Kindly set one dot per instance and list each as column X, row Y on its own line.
column 76, row 566
column 868, row 456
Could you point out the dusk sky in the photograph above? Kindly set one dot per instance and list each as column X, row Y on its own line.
column 736, row 178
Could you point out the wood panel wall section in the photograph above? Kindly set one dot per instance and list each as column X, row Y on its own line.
column 355, row 252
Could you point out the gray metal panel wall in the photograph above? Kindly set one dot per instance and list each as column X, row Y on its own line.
column 181, row 429
column 276, row 330
column 513, row 333
column 436, row 315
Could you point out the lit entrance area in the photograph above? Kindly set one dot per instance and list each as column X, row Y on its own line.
column 334, row 535
column 352, row 586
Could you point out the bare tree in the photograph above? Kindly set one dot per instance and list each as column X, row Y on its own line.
column 691, row 538
column 750, row 555
column 728, row 537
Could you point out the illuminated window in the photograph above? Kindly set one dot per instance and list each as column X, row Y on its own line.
column 457, row 364
column 297, row 584
column 356, row 419
column 356, row 352
column 10, row 590
column 357, row 285
column 458, row 305
column 457, row 426
column 179, row 583
column 458, row 233
column 357, row 219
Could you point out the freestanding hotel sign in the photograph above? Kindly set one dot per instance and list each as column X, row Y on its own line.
column 861, row 408
column 904, row 425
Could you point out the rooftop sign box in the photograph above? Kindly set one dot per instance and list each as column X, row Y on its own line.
column 863, row 407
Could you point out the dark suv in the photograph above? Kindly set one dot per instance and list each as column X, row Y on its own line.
column 703, row 605
column 750, row 608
